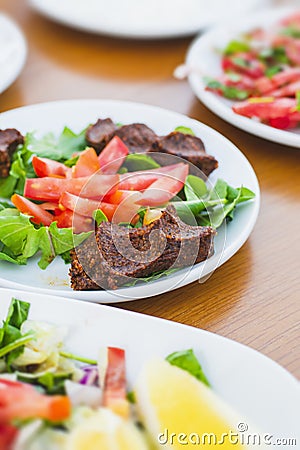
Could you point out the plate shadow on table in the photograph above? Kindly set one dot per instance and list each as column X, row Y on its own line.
column 204, row 304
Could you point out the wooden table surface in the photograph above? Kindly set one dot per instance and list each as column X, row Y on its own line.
column 254, row 297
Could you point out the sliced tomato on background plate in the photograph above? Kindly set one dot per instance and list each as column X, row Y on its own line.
column 265, row 107
column 37, row 213
column 113, row 156
column 69, row 219
column 8, row 434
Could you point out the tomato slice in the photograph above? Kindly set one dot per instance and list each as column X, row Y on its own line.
column 114, row 392
column 265, row 108
column 290, row 90
column 8, row 434
column 87, row 164
column 166, row 187
column 244, row 63
column 118, row 196
column 45, row 167
column 51, row 189
column 85, row 207
column 38, row 214
column 69, row 219
column 140, row 180
column 21, row 401
column 113, row 155
column 265, row 84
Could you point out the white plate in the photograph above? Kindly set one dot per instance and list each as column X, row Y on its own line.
column 258, row 388
column 13, row 52
column 142, row 18
column 205, row 61
column 233, row 167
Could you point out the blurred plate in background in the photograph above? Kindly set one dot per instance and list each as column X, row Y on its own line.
column 141, row 18
column 13, row 52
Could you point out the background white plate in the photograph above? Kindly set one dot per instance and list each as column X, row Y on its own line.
column 13, row 52
column 233, row 167
column 142, row 18
column 258, row 388
column 205, row 61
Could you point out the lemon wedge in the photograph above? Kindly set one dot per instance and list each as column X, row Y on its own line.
column 106, row 431
column 181, row 412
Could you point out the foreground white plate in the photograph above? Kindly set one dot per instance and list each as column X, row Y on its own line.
column 233, row 167
column 254, row 385
column 141, row 18
column 204, row 60
column 13, row 52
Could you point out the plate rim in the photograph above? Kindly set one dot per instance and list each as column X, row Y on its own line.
column 216, row 104
column 23, row 51
column 192, row 275
column 44, row 10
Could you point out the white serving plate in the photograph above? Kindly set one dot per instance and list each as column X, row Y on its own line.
column 233, row 167
column 13, row 51
column 203, row 60
column 141, row 18
column 258, row 388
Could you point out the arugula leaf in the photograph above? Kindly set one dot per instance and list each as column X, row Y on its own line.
column 52, row 383
column 273, row 70
column 11, row 340
column 298, row 100
column 236, row 47
column 59, row 149
column 194, row 188
column 291, row 31
column 186, row 360
column 20, row 239
column 277, row 55
column 139, row 161
column 241, row 62
column 153, row 277
column 99, row 216
column 230, row 92
column 184, row 130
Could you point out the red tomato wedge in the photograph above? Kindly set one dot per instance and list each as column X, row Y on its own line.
column 87, row 164
column 244, row 63
column 38, row 214
column 45, row 167
column 140, row 180
column 166, row 187
column 21, row 401
column 8, row 434
column 69, row 219
column 118, row 196
column 290, row 90
column 113, row 155
column 51, row 189
column 114, row 393
column 86, row 207
column 265, row 107
column 265, row 84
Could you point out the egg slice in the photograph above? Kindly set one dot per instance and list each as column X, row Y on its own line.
column 105, row 430
column 181, row 412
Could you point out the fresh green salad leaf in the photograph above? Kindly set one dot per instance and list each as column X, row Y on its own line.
column 52, row 383
column 153, row 277
column 186, row 360
column 230, row 92
column 184, row 130
column 273, row 70
column 139, row 161
column 298, row 100
column 241, row 62
column 59, row 149
column 20, row 239
column 236, row 47
column 291, row 31
column 78, row 358
column 6, row 205
column 275, row 55
column 11, row 340
column 99, row 216
column 194, row 188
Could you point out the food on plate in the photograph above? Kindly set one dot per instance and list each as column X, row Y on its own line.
column 122, row 255
column 9, row 141
column 262, row 68
column 51, row 398
column 71, row 200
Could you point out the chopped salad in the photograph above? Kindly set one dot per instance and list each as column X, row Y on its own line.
column 261, row 70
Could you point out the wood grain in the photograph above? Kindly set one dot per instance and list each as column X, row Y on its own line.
column 254, row 297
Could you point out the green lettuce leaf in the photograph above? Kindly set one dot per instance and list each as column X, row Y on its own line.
column 184, row 130
column 186, row 360
column 139, row 161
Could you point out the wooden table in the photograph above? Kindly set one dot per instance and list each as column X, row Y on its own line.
column 254, row 297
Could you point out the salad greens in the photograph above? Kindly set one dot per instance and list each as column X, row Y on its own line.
column 186, row 360
column 236, row 47
column 230, row 92
column 20, row 239
column 139, row 161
